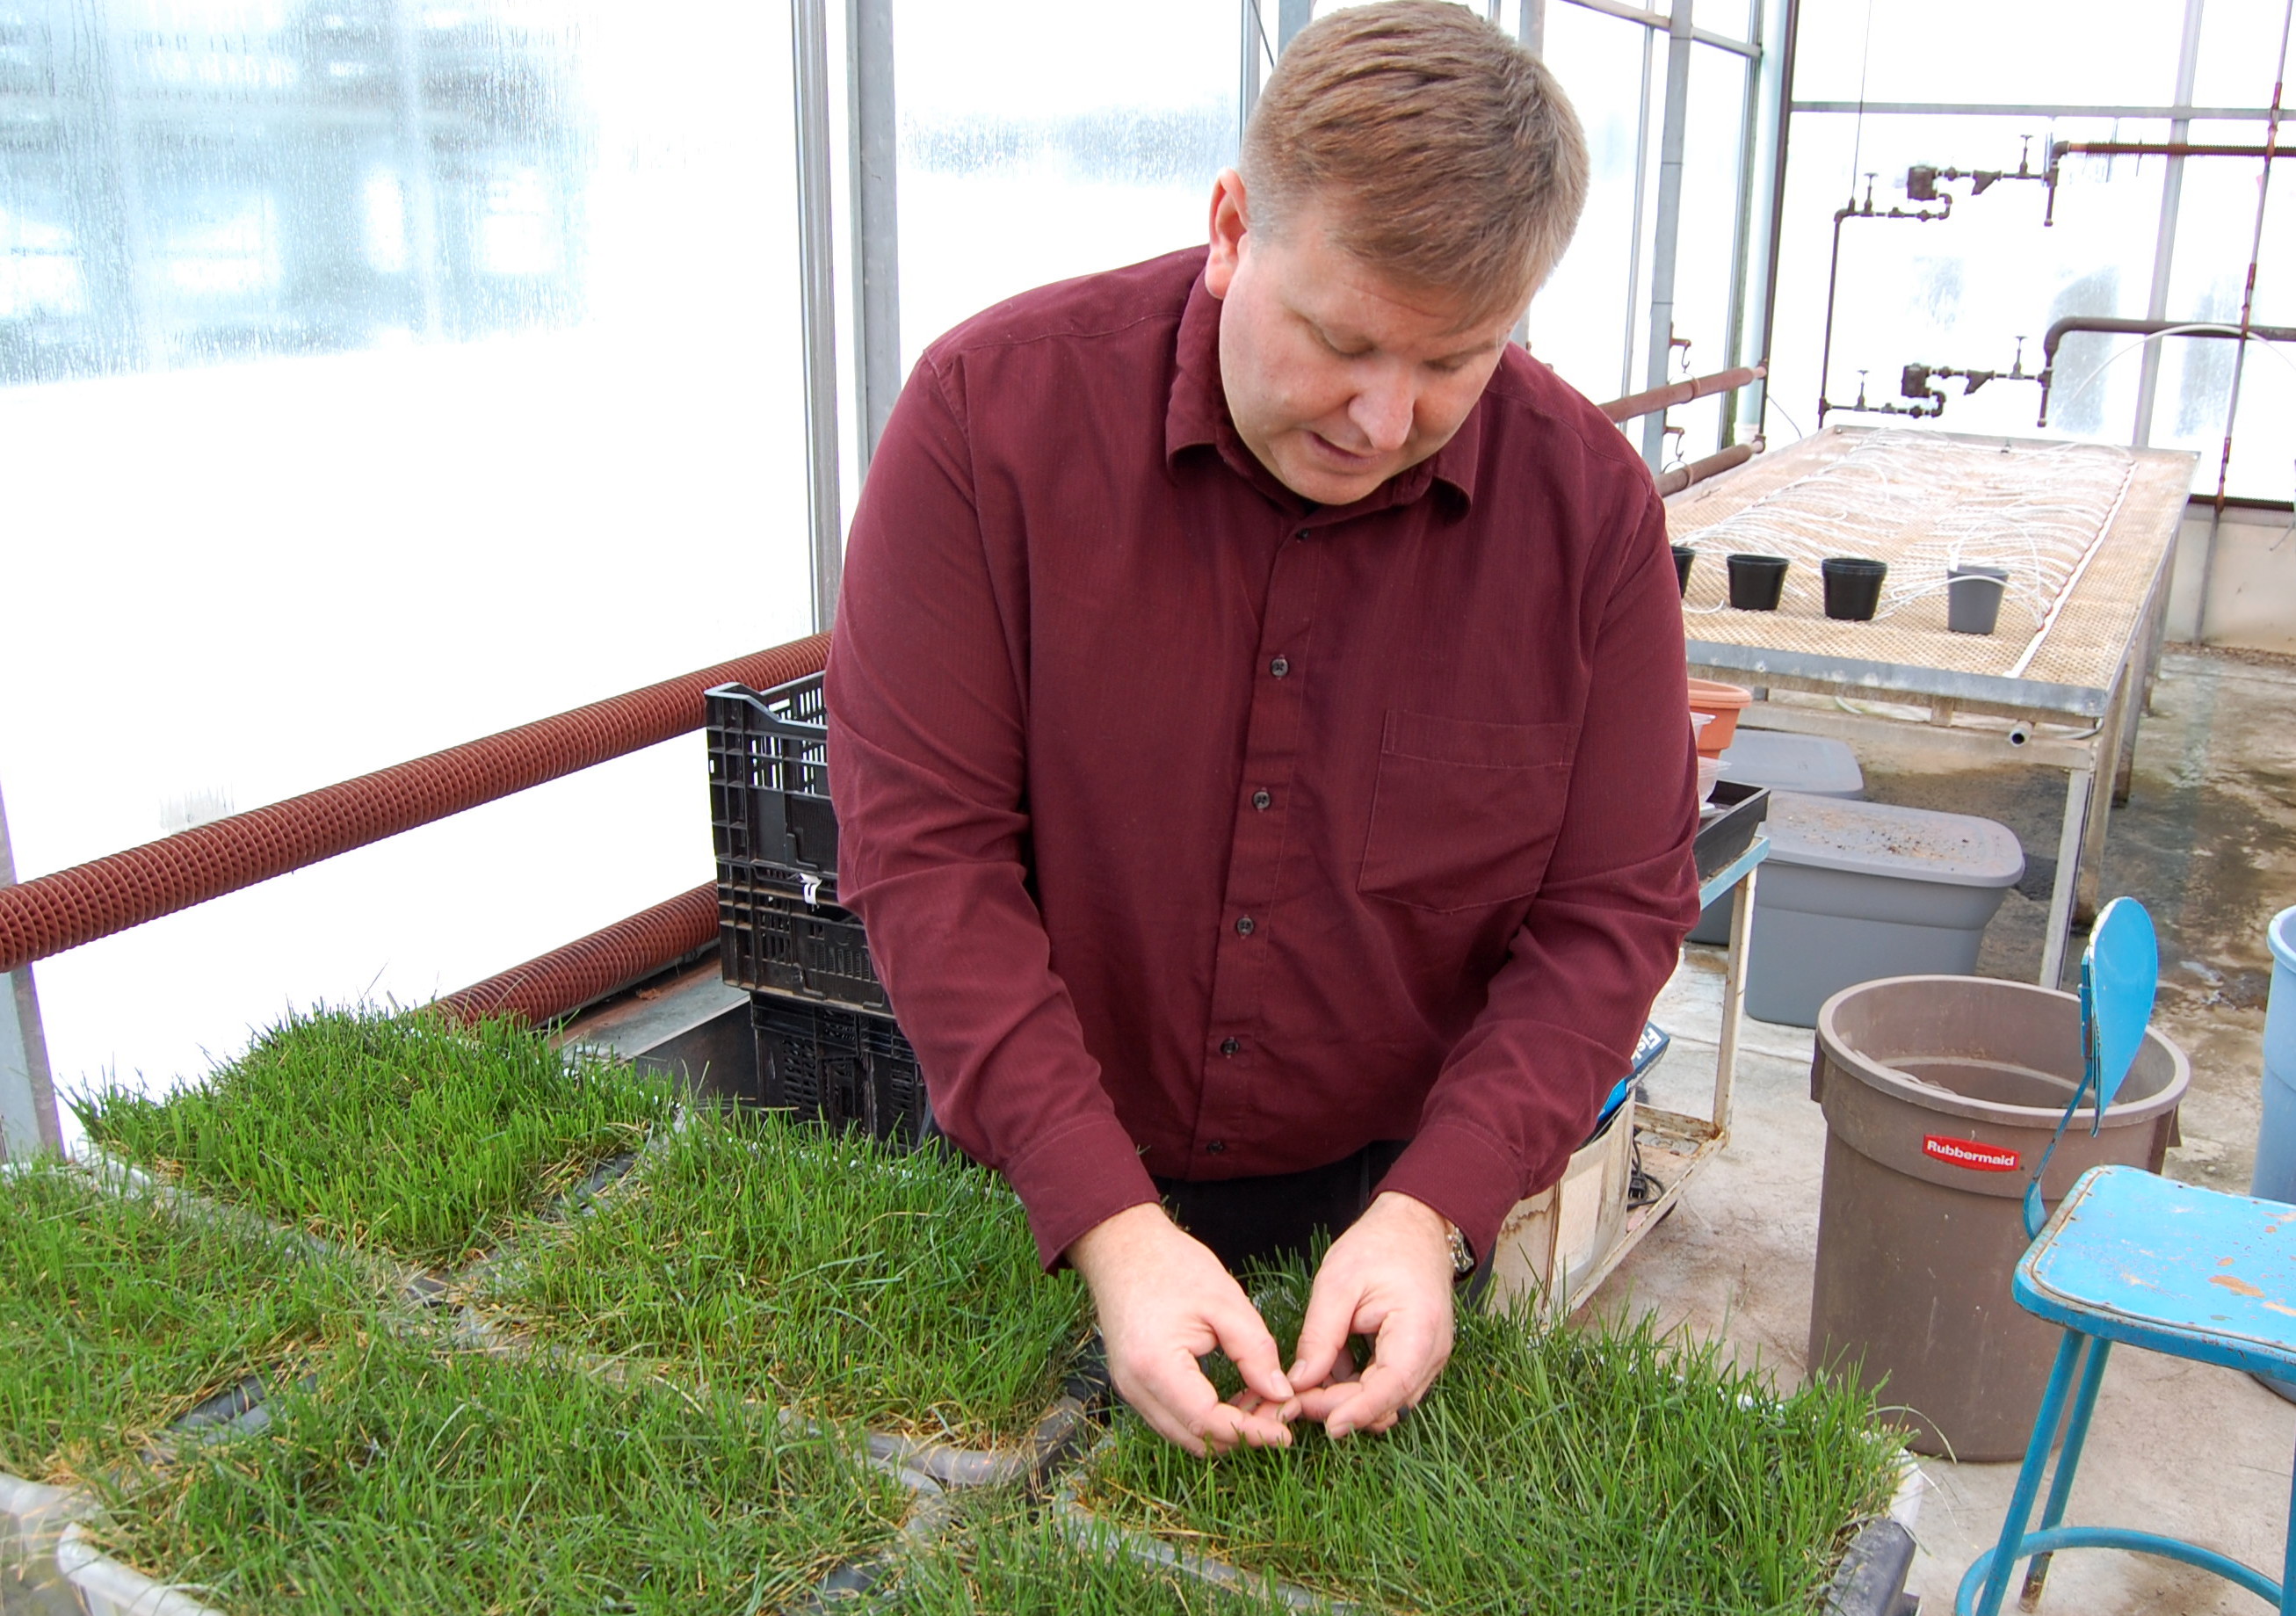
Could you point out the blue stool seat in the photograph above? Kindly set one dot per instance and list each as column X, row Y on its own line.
column 2172, row 1268
column 2145, row 1261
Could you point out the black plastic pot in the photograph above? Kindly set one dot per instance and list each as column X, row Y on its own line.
column 1756, row 581
column 1972, row 602
column 1683, row 556
column 1853, row 587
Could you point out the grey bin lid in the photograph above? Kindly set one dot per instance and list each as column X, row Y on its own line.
column 1901, row 844
column 1818, row 765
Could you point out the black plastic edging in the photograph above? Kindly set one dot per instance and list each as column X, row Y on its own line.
column 1871, row 1580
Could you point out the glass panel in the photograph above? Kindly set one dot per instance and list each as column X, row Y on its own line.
column 1090, row 133
column 1583, row 321
column 2107, row 51
column 2240, row 41
column 1733, row 18
column 2216, row 228
column 382, row 375
column 1705, row 262
column 1961, row 292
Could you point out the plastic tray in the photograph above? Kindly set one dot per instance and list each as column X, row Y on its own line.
column 770, row 936
column 839, row 1067
column 769, row 779
column 1730, row 832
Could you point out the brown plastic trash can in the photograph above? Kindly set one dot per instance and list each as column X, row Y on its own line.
column 1941, row 1094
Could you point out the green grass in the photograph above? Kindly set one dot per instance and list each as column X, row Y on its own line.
column 116, row 1318
column 389, row 1131
column 1603, row 1470
column 1002, row 1565
column 815, row 1270
column 406, row 1480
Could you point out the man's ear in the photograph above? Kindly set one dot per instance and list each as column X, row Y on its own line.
column 1230, row 223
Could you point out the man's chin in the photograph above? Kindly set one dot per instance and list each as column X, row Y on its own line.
column 1309, row 476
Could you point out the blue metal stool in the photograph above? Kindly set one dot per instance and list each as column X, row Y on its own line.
column 2193, row 1272
column 2129, row 1256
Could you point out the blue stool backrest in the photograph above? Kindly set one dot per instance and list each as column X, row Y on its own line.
column 2120, row 976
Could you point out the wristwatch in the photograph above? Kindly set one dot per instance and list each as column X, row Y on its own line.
column 1462, row 1256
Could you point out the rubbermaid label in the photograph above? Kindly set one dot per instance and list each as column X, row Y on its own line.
column 1979, row 1158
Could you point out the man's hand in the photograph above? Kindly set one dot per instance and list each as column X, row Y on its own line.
column 1388, row 1277
column 1165, row 1302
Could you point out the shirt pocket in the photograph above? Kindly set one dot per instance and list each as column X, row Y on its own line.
column 1463, row 812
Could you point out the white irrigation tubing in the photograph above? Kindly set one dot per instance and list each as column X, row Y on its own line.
column 2057, row 606
column 2114, row 357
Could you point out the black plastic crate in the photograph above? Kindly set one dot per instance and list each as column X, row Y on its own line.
column 770, row 938
column 841, row 1068
column 769, row 779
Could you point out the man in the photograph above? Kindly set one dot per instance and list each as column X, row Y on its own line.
column 1260, row 733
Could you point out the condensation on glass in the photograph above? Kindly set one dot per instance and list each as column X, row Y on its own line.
column 1041, row 139
column 375, row 374
column 189, row 184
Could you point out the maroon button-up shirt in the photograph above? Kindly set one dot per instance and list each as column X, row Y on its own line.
column 1204, row 833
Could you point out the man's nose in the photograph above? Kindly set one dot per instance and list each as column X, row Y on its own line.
column 1382, row 411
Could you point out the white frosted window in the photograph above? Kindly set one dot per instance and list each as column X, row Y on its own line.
column 2098, row 51
column 374, row 376
column 1041, row 139
column 1585, row 321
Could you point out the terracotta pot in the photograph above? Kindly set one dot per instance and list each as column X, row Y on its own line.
column 1724, row 702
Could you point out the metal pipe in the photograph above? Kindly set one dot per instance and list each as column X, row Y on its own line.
column 53, row 912
column 1665, row 230
column 2157, row 148
column 2114, row 325
column 1656, row 398
column 594, row 967
column 1855, row 210
column 874, row 133
column 1697, row 471
column 817, row 303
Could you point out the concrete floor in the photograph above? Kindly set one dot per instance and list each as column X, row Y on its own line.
column 2208, row 842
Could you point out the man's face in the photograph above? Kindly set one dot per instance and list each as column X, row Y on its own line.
column 1337, row 378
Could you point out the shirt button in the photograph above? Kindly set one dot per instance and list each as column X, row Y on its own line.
column 1280, row 667
column 1302, row 533
column 1243, row 925
column 1215, row 1147
column 1260, row 800
column 1231, row 1045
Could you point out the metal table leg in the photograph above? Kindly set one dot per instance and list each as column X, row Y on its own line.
column 2078, row 784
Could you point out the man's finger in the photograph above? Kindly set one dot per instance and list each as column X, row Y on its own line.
column 1244, row 1337
column 1404, row 1361
column 1323, row 1334
column 1176, row 1400
column 1371, row 1403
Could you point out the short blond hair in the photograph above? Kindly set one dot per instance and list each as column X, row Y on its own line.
column 1445, row 153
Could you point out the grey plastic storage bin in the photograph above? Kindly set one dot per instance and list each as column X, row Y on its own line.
column 1816, row 765
column 1855, row 891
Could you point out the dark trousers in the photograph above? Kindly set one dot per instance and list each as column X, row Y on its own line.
column 1271, row 1218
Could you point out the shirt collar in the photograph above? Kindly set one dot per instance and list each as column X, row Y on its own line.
column 1196, row 416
